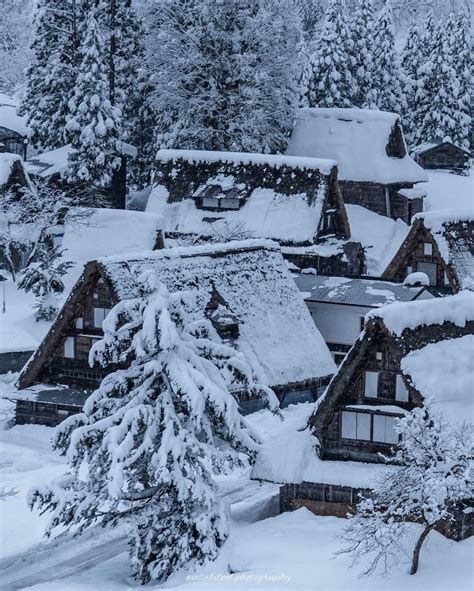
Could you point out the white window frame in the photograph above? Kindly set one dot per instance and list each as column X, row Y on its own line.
column 427, row 249
column 379, row 355
column 369, row 378
column 69, row 348
column 401, row 391
column 80, row 322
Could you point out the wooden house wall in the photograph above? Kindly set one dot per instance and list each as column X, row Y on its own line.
column 12, row 142
column 336, row 265
column 77, row 371
column 411, row 256
column 444, row 156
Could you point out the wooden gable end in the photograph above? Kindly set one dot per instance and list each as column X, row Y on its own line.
column 395, row 147
column 333, row 220
column 62, row 357
column 369, row 383
column 414, row 256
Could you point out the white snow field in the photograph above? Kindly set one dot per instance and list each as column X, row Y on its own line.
column 292, row 552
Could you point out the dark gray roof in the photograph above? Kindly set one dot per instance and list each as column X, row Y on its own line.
column 67, row 396
column 372, row 293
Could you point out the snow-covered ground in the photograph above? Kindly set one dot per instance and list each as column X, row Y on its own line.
column 292, row 552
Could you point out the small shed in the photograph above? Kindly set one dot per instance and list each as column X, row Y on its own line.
column 442, row 154
column 13, row 130
column 371, row 155
column 338, row 305
column 243, row 287
column 440, row 244
column 220, row 196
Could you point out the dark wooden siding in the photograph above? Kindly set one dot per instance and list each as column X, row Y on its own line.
column 444, row 156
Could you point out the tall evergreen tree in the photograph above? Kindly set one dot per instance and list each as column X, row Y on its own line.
column 225, row 73
column 93, row 125
column 412, row 61
column 459, row 45
column 57, row 30
column 152, row 434
column 362, row 30
column 437, row 104
column 388, row 94
column 331, row 83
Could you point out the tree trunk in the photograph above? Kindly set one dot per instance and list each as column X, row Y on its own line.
column 416, row 553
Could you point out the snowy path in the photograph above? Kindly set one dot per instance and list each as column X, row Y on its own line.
column 62, row 558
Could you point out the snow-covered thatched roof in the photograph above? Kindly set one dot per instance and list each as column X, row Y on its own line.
column 7, row 163
column 210, row 194
column 457, row 309
column 427, row 146
column 443, row 373
column 358, row 140
column 453, row 231
column 9, row 119
column 275, row 329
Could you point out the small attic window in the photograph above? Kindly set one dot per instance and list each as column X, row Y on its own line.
column 221, row 193
column 427, row 248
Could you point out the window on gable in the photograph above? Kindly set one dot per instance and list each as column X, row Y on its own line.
column 401, row 392
column 69, row 348
column 427, row 248
column 355, row 425
column 99, row 316
column 371, row 384
column 379, row 356
column 384, row 429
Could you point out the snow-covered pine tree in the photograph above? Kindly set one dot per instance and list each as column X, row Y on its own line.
column 225, row 73
column 43, row 277
column 412, row 60
column 94, row 125
column 362, row 27
column 311, row 13
column 154, row 431
column 331, row 83
column 459, row 44
column 51, row 75
column 432, row 477
column 128, row 84
column 387, row 85
column 437, row 111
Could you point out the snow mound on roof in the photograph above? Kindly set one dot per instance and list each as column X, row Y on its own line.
column 458, row 309
column 356, row 139
column 9, row 117
column 265, row 214
column 6, row 164
column 107, row 232
column 444, row 374
column 448, row 190
column 435, row 220
column 323, row 165
column 288, row 453
column 380, row 236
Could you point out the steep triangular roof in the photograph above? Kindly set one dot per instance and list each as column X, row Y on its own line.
column 275, row 197
column 275, row 330
column 367, row 145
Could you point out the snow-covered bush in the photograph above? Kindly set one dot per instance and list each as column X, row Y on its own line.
column 432, row 478
column 43, row 277
column 149, row 438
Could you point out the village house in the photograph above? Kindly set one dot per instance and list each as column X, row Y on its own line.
column 85, row 235
column 442, row 154
column 52, row 165
column 220, row 196
column 409, row 354
column 13, row 131
column 441, row 245
column 374, row 168
column 338, row 305
column 244, row 288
